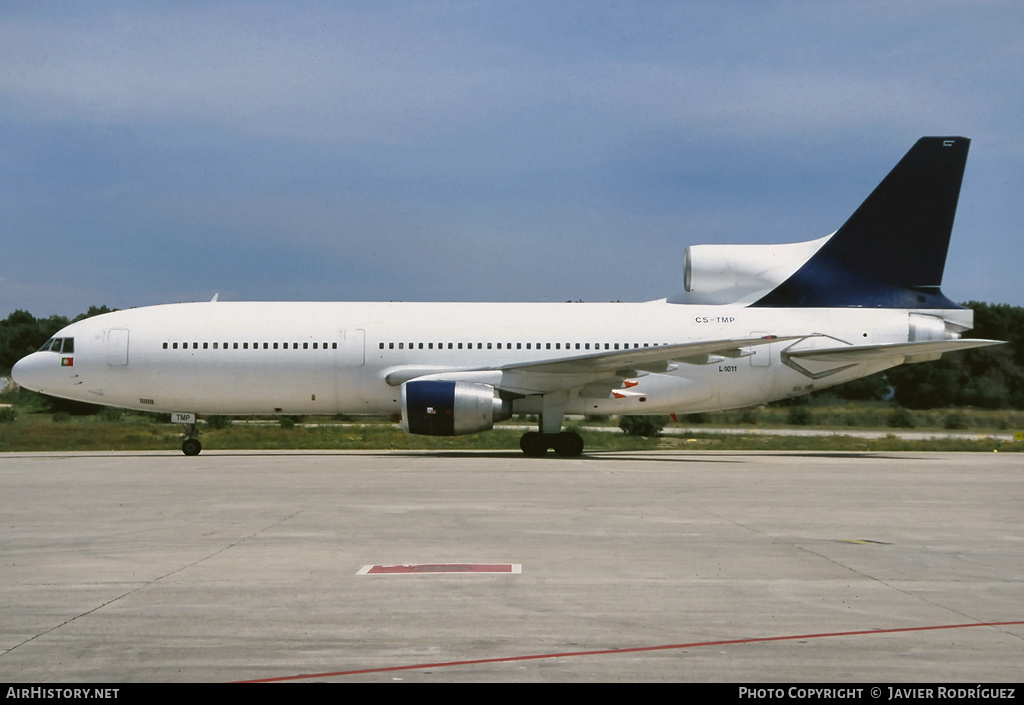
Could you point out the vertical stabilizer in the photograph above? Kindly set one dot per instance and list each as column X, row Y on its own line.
column 892, row 250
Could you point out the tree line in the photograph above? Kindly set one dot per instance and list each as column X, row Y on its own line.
column 989, row 378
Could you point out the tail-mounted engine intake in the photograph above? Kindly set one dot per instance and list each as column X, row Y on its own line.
column 720, row 274
column 436, row 408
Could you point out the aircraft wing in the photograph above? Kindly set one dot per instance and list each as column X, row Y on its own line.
column 605, row 369
column 652, row 359
column 600, row 374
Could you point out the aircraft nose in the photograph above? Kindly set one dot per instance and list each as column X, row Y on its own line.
column 34, row 371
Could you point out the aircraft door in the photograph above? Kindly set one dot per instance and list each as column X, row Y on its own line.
column 762, row 356
column 349, row 356
column 117, row 347
column 351, row 352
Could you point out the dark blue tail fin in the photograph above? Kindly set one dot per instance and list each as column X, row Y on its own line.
column 892, row 250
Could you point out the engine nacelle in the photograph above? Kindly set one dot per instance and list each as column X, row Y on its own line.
column 926, row 327
column 727, row 273
column 439, row 408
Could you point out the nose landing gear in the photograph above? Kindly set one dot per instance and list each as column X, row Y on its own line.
column 191, row 444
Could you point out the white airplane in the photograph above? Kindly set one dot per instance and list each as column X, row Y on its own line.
column 756, row 323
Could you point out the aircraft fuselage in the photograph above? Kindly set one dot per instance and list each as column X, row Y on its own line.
column 329, row 358
column 756, row 323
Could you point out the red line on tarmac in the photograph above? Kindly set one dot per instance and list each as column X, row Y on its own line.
column 633, row 650
column 439, row 568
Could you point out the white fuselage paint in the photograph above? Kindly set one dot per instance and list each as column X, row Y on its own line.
column 340, row 357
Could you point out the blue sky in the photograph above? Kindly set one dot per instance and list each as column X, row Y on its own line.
column 534, row 151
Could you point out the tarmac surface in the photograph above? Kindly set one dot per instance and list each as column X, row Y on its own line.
column 653, row 566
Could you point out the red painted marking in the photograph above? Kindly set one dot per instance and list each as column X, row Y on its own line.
column 627, row 383
column 634, row 650
column 439, row 568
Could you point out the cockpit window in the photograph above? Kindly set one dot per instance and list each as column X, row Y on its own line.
column 59, row 345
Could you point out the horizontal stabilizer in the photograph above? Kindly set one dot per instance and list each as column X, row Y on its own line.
column 869, row 353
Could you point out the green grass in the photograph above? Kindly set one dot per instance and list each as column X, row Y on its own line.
column 39, row 432
column 838, row 443
column 36, row 429
column 866, row 415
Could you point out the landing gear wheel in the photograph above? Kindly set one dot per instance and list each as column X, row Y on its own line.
column 533, row 444
column 191, row 446
column 568, row 444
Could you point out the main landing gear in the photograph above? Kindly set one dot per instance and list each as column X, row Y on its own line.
column 566, row 444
